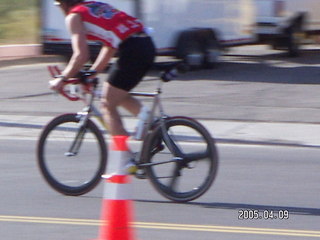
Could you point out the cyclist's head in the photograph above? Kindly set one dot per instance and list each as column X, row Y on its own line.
column 67, row 2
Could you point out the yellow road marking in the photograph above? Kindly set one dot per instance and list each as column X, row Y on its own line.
column 167, row 226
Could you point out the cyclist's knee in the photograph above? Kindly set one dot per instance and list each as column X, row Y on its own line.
column 106, row 106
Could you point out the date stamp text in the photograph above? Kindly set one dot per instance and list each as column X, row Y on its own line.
column 251, row 214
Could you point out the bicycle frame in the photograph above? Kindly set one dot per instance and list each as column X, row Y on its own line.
column 91, row 110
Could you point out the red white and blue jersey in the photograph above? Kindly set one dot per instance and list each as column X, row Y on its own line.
column 105, row 23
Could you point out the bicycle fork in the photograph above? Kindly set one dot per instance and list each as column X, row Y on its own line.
column 81, row 131
column 83, row 117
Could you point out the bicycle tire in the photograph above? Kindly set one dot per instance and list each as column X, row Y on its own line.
column 193, row 140
column 71, row 175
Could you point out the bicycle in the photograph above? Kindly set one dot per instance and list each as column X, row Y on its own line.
column 178, row 155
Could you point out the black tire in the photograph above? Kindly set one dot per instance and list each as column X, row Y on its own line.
column 198, row 48
column 196, row 176
column 296, row 34
column 294, row 43
column 189, row 49
column 71, row 175
column 212, row 49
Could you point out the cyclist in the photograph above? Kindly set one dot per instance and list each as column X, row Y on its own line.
column 119, row 33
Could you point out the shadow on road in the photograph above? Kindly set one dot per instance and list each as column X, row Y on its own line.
column 272, row 68
column 292, row 210
column 243, row 206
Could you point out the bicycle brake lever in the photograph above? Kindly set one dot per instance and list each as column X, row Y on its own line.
column 71, row 97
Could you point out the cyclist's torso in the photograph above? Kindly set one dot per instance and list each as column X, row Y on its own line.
column 106, row 24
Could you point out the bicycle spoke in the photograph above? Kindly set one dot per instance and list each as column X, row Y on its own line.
column 172, row 145
column 190, row 157
column 173, row 182
column 176, row 175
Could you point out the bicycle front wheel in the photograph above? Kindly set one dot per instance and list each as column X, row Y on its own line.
column 71, row 157
column 180, row 159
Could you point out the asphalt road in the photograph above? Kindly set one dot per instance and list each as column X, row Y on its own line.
column 251, row 84
column 267, row 88
column 271, row 180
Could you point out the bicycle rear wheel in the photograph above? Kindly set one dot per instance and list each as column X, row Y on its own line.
column 73, row 172
column 180, row 159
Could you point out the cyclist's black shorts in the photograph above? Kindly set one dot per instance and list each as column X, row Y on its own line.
column 135, row 58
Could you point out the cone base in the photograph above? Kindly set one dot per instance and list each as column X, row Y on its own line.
column 116, row 220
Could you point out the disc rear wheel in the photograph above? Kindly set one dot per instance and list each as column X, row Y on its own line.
column 182, row 159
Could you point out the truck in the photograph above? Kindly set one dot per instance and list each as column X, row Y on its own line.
column 194, row 31
column 287, row 24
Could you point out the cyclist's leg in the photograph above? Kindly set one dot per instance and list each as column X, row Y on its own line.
column 136, row 57
column 132, row 104
column 111, row 99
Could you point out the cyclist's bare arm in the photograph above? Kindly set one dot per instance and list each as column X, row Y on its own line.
column 106, row 53
column 79, row 45
column 80, row 50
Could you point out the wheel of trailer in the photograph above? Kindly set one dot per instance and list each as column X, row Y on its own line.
column 212, row 50
column 198, row 47
column 295, row 34
column 189, row 49
column 294, row 42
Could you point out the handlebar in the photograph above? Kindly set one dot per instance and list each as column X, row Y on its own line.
column 83, row 79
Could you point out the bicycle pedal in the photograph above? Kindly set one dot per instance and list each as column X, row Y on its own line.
column 131, row 167
column 132, row 170
column 140, row 174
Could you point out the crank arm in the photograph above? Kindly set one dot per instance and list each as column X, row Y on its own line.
column 175, row 159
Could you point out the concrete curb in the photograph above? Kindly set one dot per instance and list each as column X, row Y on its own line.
column 24, row 54
column 20, row 50
column 8, row 62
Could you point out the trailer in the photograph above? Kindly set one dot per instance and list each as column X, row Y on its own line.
column 192, row 30
column 287, row 24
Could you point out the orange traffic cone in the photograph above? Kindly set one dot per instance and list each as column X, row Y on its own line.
column 117, row 216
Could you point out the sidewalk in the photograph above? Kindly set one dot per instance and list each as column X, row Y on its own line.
column 20, row 51
column 224, row 132
column 15, row 61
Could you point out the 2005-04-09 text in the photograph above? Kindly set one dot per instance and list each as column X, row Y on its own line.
column 251, row 214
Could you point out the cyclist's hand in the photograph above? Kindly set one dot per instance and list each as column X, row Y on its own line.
column 56, row 83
